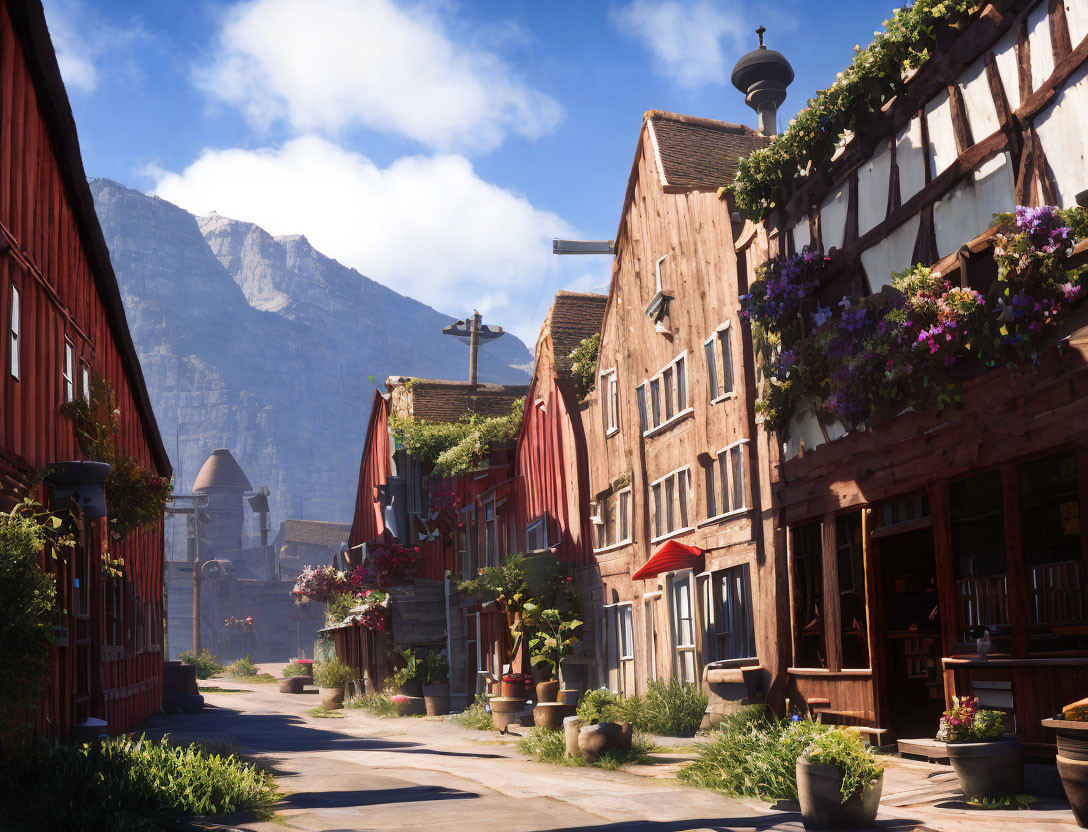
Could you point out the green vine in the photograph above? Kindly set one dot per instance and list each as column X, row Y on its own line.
column 584, row 364
column 455, row 447
column 878, row 74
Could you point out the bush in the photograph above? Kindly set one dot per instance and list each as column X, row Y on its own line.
column 127, row 784
column 378, row 704
column 547, row 746
column 243, row 668
column 207, row 665
column 599, row 706
column 844, row 749
column 753, row 755
column 671, row 708
column 332, row 674
column 475, row 716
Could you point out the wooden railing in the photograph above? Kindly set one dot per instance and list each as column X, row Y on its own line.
column 1056, row 593
column 983, row 601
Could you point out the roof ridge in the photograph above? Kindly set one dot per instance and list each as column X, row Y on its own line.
column 700, row 121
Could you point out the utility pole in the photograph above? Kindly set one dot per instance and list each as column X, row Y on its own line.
column 195, row 503
column 472, row 332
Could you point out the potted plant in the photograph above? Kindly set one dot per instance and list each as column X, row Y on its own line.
column 331, row 678
column 839, row 782
column 436, row 684
column 552, row 639
column 1071, row 726
column 407, row 678
column 988, row 763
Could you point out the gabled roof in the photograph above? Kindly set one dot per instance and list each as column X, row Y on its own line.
column 437, row 400
column 574, row 316
column 316, row 533
column 699, row 152
column 221, row 470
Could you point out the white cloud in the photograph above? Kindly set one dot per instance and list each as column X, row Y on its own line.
column 82, row 39
column 691, row 43
column 426, row 226
column 327, row 65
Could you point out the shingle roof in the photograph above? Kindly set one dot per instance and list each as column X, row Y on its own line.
column 221, row 470
column 698, row 152
column 574, row 316
column 437, row 400
column 316, row 532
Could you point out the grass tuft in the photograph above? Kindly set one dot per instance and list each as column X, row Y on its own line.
column 377, row 704
column 668, row 708
column 547, row 746
column 476, row 716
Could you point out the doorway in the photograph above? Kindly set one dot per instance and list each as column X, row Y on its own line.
column 911, row 641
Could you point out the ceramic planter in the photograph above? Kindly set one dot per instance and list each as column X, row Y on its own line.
column 547, row 691
column 436, row 698
column 819, row 791
column 513, row 686
column 293, row 684
column 551, row 714
column 332, row 699
column 1073, row 764
column 989, row 769
column 504, row 711
column 571, row 726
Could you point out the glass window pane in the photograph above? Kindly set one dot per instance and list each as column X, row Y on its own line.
column 641, row 396
column 683, row 493
column 670, row 503
column 854, row 631
column 808, row 596
column 727, row 362
column 711, row 502
column 670, row 393
column 712, row 369
column 655, row 401
column 738, row 476
column 723, row 482
column 659, row 512
column 977, row 513
column 681, row 385
column 625, row 515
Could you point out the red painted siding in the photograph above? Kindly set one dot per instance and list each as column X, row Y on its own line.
column 368, row 523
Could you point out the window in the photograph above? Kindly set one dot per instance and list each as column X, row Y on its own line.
column 978, row 552
column 85, row 380
column 808, row 590
column 853, row 629
column 466, row 542
column 734, row 633
column 610, row 401
column 491, row 536
column 112, row 598
column 621, row 648
column 719, row 364
column 643, row 416
column 13, row 330
column 668, row 395
column 612, row 522
column 671, row 509
column 725, row 481
column 69, row 371
column 536, row 535
column 683, row 626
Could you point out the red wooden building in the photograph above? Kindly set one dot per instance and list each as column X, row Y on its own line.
column 64, row 325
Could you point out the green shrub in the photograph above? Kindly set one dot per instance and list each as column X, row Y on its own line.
column 243, row 668
column 332, row 674
column 127, row 784
column 294, row 668
column 845, row 750
column 475, row 716
column 207, row 665
column 599, row 706
column 379, row 704
column 338, row 606
column 671, row 708
column 547, row 746
column 753, row 755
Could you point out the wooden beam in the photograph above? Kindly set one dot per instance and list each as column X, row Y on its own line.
column 1060, row 42
column 832, row 614
column 939, row 511
column 1023, row 59
column 1019, row 593
column 961, row 127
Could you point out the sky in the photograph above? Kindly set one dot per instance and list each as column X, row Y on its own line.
column 436, row 146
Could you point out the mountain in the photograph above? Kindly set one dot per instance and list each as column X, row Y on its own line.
column 263, row 345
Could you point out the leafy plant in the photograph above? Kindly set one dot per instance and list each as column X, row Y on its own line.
column 1010, row 801
column 454, row 447
column 125, row 784
column 552, row 639
column 753, row 755
column 332, row 674
column 337, row 607
column 207, row 665
column 671, row 708
column 476, row 716
column 411, row 669
column 296, row 668
column 845, row 750
column 243, row 668
column 436, row 668
column 27, row 615
column 599, row 706
column 966, row 722
column 584, row 364
column 379, row 704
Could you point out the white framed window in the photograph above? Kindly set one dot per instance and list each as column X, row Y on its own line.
column 682, row 624
column 649, row 617
column 610, row 401
column 734, row 632
column 671, row 496
column 491, row 534
column 726, row 482
column 14, row 330
column 621, row 647
column 719, row 364
column 663, row 399
column 85, row 380
column 536, row 535
column 612, row 520
column 466, row 542
column 68, row 372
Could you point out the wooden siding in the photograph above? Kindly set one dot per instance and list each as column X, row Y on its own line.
column 368, row 523
column 51, row 255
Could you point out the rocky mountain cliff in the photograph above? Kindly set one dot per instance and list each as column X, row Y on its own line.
column 264, row 346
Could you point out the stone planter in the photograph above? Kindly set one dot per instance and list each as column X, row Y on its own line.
column 436, row 698
column 989, row 769
column 594, row 740
column 1073, row 763
column 551, row 714
column 332, row 699
column 571, row 726
column 819, row 791
column 411, row 706
column 293, row 684
column 547, row 691
column 504, row 711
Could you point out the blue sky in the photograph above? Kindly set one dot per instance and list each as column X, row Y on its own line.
column 434, row 146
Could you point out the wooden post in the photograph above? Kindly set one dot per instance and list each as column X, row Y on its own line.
column 1018, row 600
column 940, row 516
column 197, row 577
column 832, row 615
column 874, row 604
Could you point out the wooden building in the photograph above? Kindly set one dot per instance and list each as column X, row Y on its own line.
column 904, row 540
column 670, row 426
column 63, row 326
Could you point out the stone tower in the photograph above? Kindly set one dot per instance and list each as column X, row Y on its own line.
column 223, row 482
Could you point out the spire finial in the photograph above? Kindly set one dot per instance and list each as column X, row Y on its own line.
column 761, row 31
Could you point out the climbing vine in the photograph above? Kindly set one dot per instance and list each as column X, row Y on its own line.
column 877, row 74
column 455, row 447
column 910, row 344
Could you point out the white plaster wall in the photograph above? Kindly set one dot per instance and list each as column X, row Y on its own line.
column 873, row 180
column 1061, row 131
column 911, row 158
column 804, row 430
column 1005, row 55
column 942, row 139
column 967, row 210
column 833, row 218
column 801, row 235
column 981, row 112
column 1042, row 53
column 892, row 254
column 1076, row 12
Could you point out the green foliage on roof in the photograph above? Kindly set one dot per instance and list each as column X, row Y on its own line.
column 456, row 447
column 584, row 364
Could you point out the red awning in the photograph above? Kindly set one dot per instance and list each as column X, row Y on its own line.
column 671, row 556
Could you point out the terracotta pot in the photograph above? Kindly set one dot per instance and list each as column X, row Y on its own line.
column 551, row 714
column 819, row 791
column 332, row 699
column 293, row 684
column 1073, row 763
column 411, row 706
column 505, row 710
column 989, row 769
column 513, row 686
column 436, row 698
column 547, row 691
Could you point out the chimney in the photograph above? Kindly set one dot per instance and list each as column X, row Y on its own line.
column 763, row 75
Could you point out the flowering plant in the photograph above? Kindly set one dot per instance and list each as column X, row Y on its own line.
column 388, row 565
column 238, row 625
column 317, row 583
column 442, row 499
column 843, row 748
column 966, row 722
